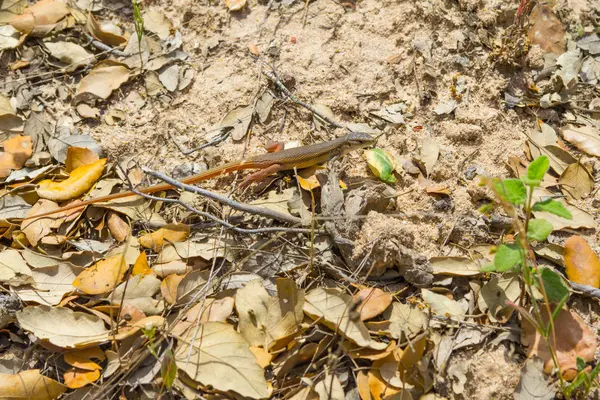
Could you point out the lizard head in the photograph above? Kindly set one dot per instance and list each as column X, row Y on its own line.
column 356, row 140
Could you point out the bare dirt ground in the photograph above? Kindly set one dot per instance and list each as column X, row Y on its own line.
column 357, row 58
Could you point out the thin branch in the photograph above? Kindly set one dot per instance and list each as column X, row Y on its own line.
column 229, row 202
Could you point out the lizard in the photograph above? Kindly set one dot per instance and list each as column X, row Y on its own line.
column 267, row 164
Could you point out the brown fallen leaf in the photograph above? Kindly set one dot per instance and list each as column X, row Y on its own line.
column 35, row 229
column 573, row 339
column 168, row 287
column 374, row 301
column 581, row 263
column 17, row 150
column 118, row 228
column 103, row 276
column 44, row 12
column 263, row 358
column 171, row 233
column 76, row 378
column 80, row 181
column 576, row 181
column 106, row 76
column 30, row 384
column 78, row 156
column 546, row 30
column 102, row 34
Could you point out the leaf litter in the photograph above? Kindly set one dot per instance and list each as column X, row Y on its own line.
column 281, row 326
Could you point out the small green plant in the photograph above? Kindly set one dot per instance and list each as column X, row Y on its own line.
column 544, row 286
column 138, row 22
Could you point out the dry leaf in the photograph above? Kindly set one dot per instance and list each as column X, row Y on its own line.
column 581, row 219
column 494, row 294
column 36, row 228
column 170, row 233
column 330, row 388
column 379, row 388
column 13, row 269
column 29, row 385
column 430, row 151
column 44, row 12
column 76, row 378
column 454, row 266
column 71, row 54
column 332, row 308
column 235, row 5
column 138, row 291
column 220, row 357
column 239, row 119
column 406, row 321
column 17, row 150
column 581, row 263
column 63, row 327
column 374, row 301
column 141, row 267
column 157, row 22
column 80, row 181
column 105, row 77
column 576, row 181
column 546, row 30
column 82, row 359
column 103, row 276
column 79, row 156
column 585, row 138
column 573, row 339
column 185, row 250
column 173, row 267
column 118, row 228
column 441, row 305
column 103, row 32
column 50, row 283
column 212, row 311
column 265, row 319
column 263, row 358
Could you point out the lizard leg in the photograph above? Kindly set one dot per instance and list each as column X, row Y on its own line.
column 260, row 175
column 273, row 147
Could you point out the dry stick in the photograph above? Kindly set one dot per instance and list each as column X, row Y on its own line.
column 231, row 203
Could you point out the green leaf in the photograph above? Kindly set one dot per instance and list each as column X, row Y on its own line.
column 381, row 164
column 537, row 169
column 554, row 207
column 554, row 285
column 580, row 364
column 488, row 268
column 507, row 256
column 539, row 229
column 511, row 190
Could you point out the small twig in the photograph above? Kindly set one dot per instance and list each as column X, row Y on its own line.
column 103, row 47
column 222, row 136
column 586, row 290
column 275, row 79
column 225, row 200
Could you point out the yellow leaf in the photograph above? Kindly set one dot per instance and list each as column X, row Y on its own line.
column 168, row 287
column 263, row 358
column 44, row 12
column 76, row 378
column 581, row 263
column 103, row 276
column 80, row 181
column 373, row 302
column 82, row 359
column 171, row 233
column 29, row 384
column 78, row 156
column 17, row 150
column 141, row 266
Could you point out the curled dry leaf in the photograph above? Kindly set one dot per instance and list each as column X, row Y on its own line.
column 168, row 287
column 218, row 356
column 17, row 150
column 105, row 77
column 332, row 308
column 573, row 339
column 80, row 181
column 29, row 384
column 171, row 233
column 103, row 276
column 44, row 12
column 104, row 33
column 373, row 301
column 79, row 156
column 63, row 327
column 581, row 263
